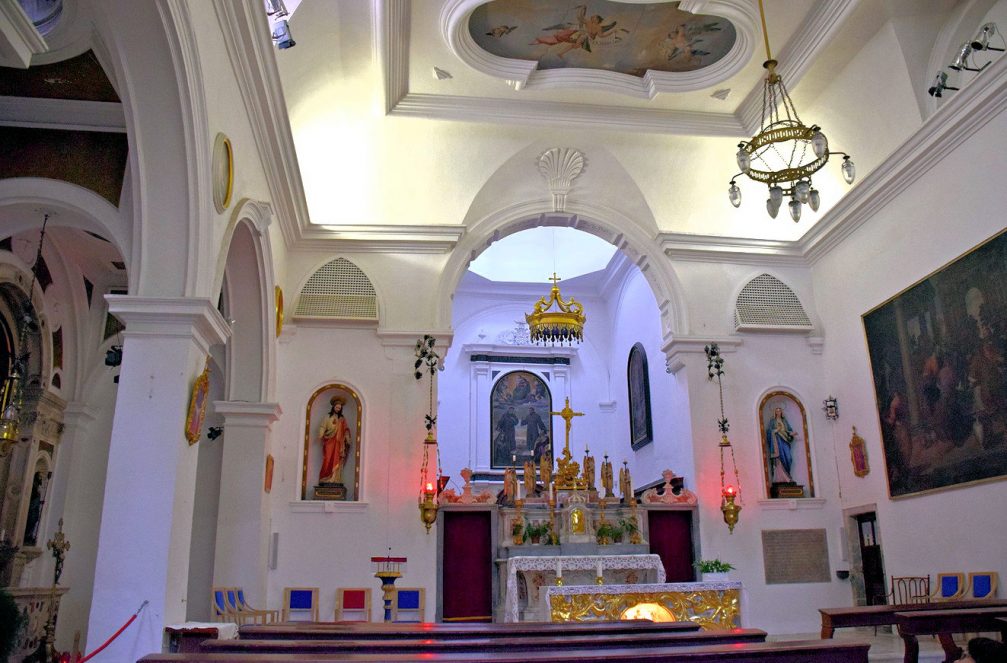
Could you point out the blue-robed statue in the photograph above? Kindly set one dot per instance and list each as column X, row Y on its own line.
column 779, row 437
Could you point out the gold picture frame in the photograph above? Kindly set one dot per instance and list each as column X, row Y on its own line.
column 197, row 405
column 858, row 455
column 278, row 297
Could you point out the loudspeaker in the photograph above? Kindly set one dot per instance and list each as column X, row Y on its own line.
column 274, row 549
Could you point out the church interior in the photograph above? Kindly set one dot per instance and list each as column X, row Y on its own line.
column 482, row 295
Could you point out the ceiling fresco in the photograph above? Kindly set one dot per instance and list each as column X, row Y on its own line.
column 598, row 34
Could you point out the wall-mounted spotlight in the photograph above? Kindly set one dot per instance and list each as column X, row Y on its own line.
column 982, row 39
column 940, row 84
column 280, row 29
column 213, row 432
column 113, row 356
column 831, row 407
column 961, row 61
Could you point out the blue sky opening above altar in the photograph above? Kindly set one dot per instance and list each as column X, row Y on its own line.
column 529, row 256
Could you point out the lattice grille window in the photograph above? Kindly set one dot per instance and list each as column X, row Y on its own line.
column 338, row 290
column 767, row 303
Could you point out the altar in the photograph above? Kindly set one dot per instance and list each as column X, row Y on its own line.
column 712, row 605
column 528, row 577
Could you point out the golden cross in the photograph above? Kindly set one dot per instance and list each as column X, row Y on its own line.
column 555, row 280
column 568, row 414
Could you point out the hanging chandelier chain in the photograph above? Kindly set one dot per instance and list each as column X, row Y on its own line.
column 765, row 32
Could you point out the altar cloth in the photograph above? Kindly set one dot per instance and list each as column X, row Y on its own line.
column 650, row 564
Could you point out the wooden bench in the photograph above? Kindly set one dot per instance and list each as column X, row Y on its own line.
column 882, row 615
column 381, row 631
column 943, row 623
column 808, row 651
column 559, row 642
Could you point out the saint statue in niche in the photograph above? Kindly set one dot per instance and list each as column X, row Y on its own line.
column 334, row 437
column 786, row 452
column 779, row 437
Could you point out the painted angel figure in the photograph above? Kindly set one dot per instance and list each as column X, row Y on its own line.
column 589, row 29
column 683, row 42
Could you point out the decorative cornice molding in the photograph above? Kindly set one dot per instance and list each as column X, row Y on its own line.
column 248, row 415
column 818, row 28
column 387, row 238
column 391, row 17
column 65, row 114
column 565, row 114
column 678, row 346
column 741, row 250
column 392, row 338
column 170, row 317
column 497, row 350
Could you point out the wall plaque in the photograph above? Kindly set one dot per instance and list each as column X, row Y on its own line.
column 795, row 555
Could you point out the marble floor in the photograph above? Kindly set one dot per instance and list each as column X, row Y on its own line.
column 884, row 646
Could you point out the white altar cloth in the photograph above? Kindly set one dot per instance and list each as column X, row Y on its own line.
column 517, row 565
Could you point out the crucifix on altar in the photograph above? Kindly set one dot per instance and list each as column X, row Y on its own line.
column 568, row 475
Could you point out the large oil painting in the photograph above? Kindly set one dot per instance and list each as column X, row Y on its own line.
column 331, row 462
column 628, row 38
column 938, row 357
column 520, row 419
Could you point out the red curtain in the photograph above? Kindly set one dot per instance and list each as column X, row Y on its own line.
column 671, row 538
column 467, row 567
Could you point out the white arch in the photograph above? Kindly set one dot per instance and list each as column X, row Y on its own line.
column 75, row 207
column 608, row 224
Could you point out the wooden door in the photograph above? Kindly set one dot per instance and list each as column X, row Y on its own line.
column 671, row 538
column 870, row 555
column 467, row 567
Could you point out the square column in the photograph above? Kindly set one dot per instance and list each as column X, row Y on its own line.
column 146, row 519
column 241, row 551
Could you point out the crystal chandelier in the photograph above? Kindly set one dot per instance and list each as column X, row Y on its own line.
column 779, row 154
column 562, row 325
column 14, row 394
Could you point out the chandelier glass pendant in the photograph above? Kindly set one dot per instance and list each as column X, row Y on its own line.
column 786, row 152
column 14, row 394
column 562, row 325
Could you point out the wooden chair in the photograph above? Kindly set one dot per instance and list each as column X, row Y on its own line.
column 408, row 605
column 950, row 587
column 237, row 599
column 301, row 601
column 353, row 604
column 219, row 610
column 909, row 590
column 983, row 584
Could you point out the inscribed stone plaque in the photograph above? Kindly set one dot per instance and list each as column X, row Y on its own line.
column 795, row 555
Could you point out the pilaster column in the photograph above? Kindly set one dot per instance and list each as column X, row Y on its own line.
column 146, row 519
column 241, row 551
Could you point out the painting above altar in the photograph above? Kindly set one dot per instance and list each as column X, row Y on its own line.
column 520, row 420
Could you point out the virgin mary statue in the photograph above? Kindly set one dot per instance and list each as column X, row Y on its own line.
column 779, row 437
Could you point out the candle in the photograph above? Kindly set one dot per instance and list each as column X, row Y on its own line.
column 599, row 569
column 559, row 568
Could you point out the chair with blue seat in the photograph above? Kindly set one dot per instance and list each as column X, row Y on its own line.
column 949, row 587
column 301, row 602
column 983, row 585
column 408, row 605
column 242, row 604
column 219, row 610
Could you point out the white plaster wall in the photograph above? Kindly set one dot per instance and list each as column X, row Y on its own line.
column 329, row 549
column 943, row 214
column 634, row 318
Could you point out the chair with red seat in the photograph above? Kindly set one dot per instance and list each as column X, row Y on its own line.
column 353, row 604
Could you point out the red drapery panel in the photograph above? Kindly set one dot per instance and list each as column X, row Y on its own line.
column 671, row 538
column 467, row 566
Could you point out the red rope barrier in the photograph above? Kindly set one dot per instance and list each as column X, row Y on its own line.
column 116, row 634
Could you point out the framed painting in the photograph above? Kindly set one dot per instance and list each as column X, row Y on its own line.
column 520, row 420
column 641, row 428
column 938, row 353
column 330, row 468
column 786, row 446
column 197, row 406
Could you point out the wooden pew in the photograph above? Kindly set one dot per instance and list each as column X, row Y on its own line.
column 454, row 631
column 559, row 642
column 881, row 615
column 943, row 623
column 807, row 651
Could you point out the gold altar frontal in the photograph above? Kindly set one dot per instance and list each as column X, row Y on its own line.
column 714, row 606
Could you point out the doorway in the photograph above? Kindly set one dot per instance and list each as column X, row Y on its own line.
column 871, row 560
